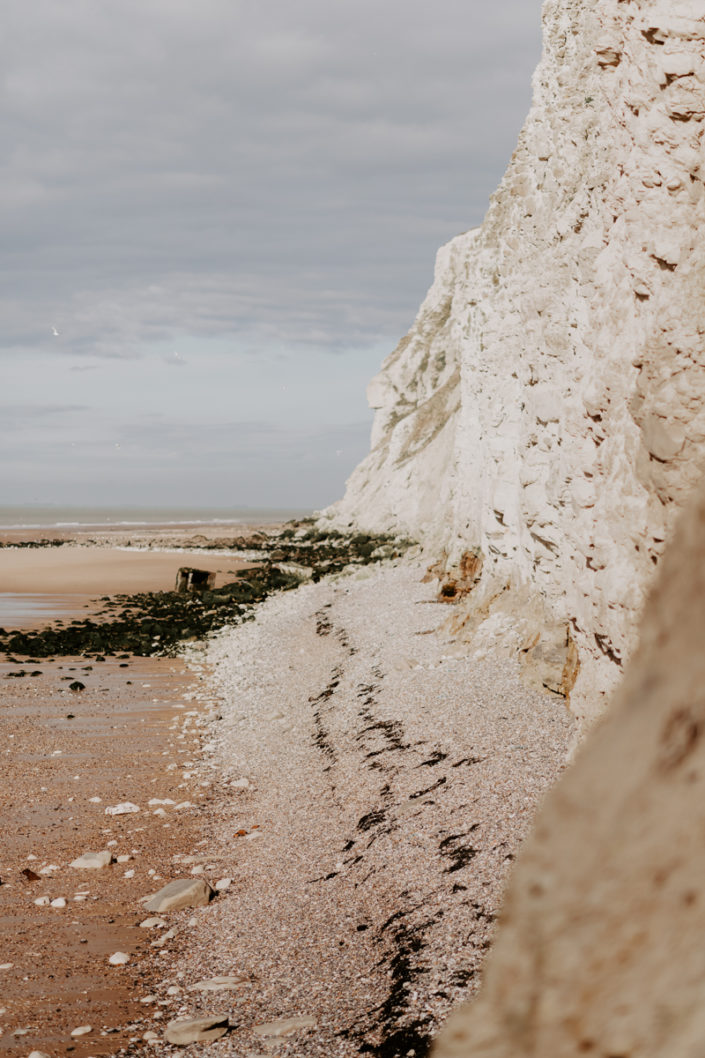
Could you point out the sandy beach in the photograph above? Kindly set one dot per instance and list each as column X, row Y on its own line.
column 130, row 734
column 363, row 783
column 109, row 561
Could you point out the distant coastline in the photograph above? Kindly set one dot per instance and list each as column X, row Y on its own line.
column 75, row 517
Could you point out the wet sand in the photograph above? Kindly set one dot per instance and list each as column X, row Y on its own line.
column 132, row 734
column 101, row 570
column 117, row 740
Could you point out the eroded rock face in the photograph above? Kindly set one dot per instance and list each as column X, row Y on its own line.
column 546, row 409
column 600, row 949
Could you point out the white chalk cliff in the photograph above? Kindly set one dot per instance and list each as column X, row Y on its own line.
column 544, row 418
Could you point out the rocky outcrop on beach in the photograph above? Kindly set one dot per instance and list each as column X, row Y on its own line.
column 545, row 413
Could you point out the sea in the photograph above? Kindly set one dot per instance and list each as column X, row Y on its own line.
column 58, row 517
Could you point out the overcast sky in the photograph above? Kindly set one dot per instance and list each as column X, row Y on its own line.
column 229, row 211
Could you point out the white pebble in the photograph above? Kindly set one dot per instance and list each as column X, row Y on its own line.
column 222, row 884
column 59, row 902
column 6, row 965
column 95, row 800
column 124, row 808
column 82, row 1030
column 129, row 874
column 119, row 958
column 42, row 901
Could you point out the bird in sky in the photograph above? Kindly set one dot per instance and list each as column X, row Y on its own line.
column 55, row 332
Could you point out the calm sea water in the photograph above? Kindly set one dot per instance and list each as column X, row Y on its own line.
column 17, row 610
column 51, row 517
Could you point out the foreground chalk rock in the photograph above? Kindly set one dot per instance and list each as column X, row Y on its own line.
column 182, row 892
column 545, row 415
column 196, row 1030
column 600, row 949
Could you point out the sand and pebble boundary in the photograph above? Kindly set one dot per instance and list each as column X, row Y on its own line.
column 367, row 789
column 378, row 788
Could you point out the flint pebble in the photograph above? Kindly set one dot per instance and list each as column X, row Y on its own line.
column 92, row 860
column 196, row 1030
column 182, row 892
column 285, row 1027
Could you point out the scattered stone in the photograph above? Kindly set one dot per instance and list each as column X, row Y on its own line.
column 29, row 875
column 38, row 1054
column 82, row 1030
column 285, row 1027
column 6, row 965
column 196, row 1030
column 124, row 808
column 77, row 686
column 182, row 892
column 119, row 958
column 152, row 923
column 218, row 984
column 92, row 860
column 222, row 884
column 161, row 941
column 59, row 902
column 95, row 800
column 42, row 901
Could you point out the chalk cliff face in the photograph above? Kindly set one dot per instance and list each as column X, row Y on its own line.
column 545, row 413
column 600, row 951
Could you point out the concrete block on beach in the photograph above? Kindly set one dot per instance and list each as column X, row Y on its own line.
column 189, row 579
column 182, row 892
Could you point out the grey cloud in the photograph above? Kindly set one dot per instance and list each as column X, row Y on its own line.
column 292, row 166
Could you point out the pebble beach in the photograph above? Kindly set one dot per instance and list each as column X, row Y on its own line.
column 378, row 786
column 351, row 786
